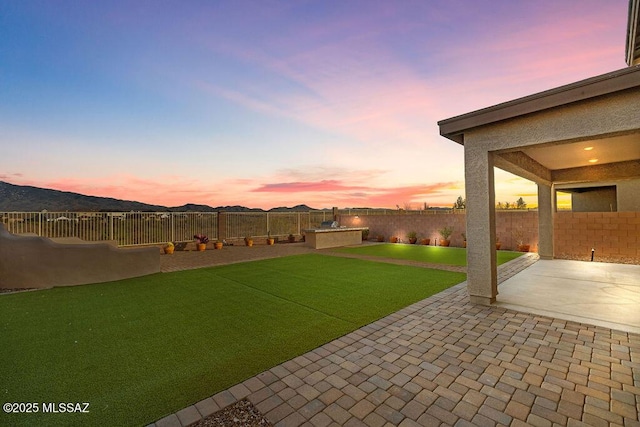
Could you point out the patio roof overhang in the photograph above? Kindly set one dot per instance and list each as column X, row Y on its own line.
column 550, row 138
column 633, row 33
column 561, row 161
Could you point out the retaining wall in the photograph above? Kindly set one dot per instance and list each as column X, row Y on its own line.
column 38, row 262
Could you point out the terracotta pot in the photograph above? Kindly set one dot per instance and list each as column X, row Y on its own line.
column 523, row 248
column 425, row 241
column 217, row 245
column 202, row 246
column 270, row 241
column 444, row 242
column 249, row 242
column 464, row 243
column 393, row 239
column 169, row 250
column 413, row 240
column 498, row 246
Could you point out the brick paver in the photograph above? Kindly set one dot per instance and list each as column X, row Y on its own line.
column 446, row 361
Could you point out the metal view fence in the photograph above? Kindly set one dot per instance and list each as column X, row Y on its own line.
column 146, row 228
column 127, row 228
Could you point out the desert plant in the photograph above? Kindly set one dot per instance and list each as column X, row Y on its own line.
column 201, row 238
column 446, row 232
column 518, row 235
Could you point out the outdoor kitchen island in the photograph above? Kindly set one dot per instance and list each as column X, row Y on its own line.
column 333, row 237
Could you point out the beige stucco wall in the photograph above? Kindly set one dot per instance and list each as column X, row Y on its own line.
column 629, row 196
column 605, row 116
column 598, row 200
column 38, row 262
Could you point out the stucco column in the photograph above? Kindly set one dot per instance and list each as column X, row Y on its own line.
column 545, row 221
column 481, row 226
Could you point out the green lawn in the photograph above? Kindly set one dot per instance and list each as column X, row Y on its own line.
column 142, row 348
column 423, row 253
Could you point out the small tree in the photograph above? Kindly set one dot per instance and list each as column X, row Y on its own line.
column 499, row 206
column 521, row 204
column 460, row 203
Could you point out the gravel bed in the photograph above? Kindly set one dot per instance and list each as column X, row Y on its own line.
column 240, row 414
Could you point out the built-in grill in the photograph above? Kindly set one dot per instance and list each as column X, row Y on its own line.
column 329, row 224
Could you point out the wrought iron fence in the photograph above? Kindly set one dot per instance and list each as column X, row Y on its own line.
column 259, row 224
column 148, row 228
column 127, row 228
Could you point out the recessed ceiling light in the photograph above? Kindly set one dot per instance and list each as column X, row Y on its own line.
column 588, row 148
column 593, row 160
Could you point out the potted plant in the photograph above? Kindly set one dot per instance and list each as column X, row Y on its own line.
column 445, row 233
column 248, row 241
column 217, row 244
column 464, row 239
column 270, row 240
column 169, row 248
column 393, row 239
column 201, row 241
column 518, row 235
column 291, row 238
column 498, row 243
column 365, row 234
column 413, row 237
column 425, row 241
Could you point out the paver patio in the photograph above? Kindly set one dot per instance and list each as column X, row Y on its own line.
column 444, row 361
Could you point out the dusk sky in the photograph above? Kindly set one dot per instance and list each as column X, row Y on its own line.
column 277, row 103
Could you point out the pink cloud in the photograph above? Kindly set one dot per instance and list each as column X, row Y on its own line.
column 295, row 187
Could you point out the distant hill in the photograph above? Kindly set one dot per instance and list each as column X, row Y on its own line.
column 24, row 198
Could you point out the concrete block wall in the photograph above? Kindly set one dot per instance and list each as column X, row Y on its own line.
column 428, row 225
column 615, row 236
column 509, row 223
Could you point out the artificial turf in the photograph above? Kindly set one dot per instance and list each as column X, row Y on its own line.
column 423, row 253
column 139, row 349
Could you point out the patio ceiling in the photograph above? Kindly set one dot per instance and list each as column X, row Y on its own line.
column 605, row 158
column 586, row 153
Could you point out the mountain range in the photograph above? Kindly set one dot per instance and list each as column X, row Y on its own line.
column 24, row 198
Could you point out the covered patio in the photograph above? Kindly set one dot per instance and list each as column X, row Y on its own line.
column 601, row 294
column 585, row 132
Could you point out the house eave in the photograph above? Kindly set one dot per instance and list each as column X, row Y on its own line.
column 626, row 78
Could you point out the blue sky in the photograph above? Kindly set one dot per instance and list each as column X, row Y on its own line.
column 277, row 103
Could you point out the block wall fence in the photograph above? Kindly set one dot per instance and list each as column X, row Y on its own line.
column 615, row 236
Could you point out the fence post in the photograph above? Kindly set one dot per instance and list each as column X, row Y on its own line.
column 39, row 223
column 298, row 223
column 222, row 226
column 173, row 227
column 110, row 226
